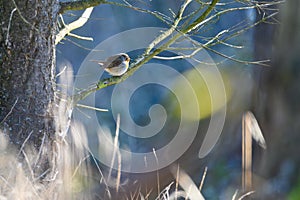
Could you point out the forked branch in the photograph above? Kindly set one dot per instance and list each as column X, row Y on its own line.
column 175, row 33
column 67, row 28
column 148, row 54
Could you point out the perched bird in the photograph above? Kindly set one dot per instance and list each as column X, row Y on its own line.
column 115, row 65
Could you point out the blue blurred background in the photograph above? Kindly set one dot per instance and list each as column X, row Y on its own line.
column 224, row 161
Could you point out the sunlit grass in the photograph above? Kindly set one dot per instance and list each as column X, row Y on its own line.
column 77, row 173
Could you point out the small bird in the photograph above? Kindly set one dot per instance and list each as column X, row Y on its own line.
column 115, row 65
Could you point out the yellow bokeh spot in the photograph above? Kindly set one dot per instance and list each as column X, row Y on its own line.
column 201, row 93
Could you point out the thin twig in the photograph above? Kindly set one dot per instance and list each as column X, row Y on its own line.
column 177, row 182
column 116, row 147
column 81, row 46
column 200, row 20
column 118, row 179
column 81, row 37
column 165, row 19
column 25, row 141
column 194, row 52
column 6, row 182
column 61, row 72
column 168, row 32
column 23, row 18
column 10, row 111
column 84, row 93
column 40, row 150
column 79, row 164
column 239, row 32
column 206, row 20
column 157, row 173
column 234, row 195
column 245, row 195
column 9, row 24
column 92, row 108
column 164, row 191
column 28, row 164
column 202, row 180
column 186, row 182
column 261, row 62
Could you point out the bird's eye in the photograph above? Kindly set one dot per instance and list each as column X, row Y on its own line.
column 126, row 58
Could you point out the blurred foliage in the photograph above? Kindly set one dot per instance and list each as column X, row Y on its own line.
column 295, row 192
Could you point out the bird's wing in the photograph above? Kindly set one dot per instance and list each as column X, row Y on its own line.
column 113, row 61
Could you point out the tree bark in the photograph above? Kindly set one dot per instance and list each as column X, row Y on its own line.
column 27, row 67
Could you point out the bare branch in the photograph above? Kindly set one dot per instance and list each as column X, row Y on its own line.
column 200, row 19
column 74, row 25
column 169, row 31
column 203, row 19
column 79, row 5
column 146, row 56
column 81, row 37
column 194, row 52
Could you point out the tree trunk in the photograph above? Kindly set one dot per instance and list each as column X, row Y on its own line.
column 27, row 66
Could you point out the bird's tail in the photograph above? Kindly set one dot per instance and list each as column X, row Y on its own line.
column 100, row 62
